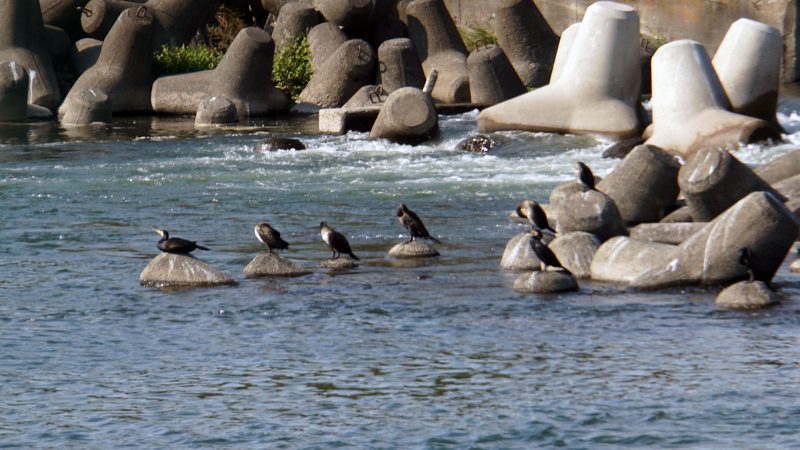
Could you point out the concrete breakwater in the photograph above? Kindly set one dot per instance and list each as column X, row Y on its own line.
column 663, row 21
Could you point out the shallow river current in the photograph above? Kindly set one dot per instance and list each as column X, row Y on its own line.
column 438, row 354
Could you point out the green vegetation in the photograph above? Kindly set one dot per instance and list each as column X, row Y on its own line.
column 185, row 59
column 476, row 34
column 291, row 68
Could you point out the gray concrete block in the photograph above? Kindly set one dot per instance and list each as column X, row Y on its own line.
column 624, row 260
column 407, row 116
column 294, row 20
column 343, row 74
column 338, row 121
column 88, row 107
column 366, row 97
column 170, row 269
column 592, row 212
column 643, row 184
column 273, row 265
column 243, row 77
column 323, row 41
column 780, row 168
column 84, row 54
column 399, row 65
column 575, row 251
column 712, row 180
column 99, row 16
column 526, row 38
column 747, row 295
column 666, row 233
column 354, row 16
column 492, row 78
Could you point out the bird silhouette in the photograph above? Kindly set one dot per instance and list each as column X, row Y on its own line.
column 335, row 241
column 413, row 224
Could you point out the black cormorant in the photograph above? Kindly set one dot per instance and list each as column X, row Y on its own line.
column 749, row 259
column 175, row 245
column 584, row 175
column 271, row 237
column 335, row 241
column 413, row 224
column 533, row 211
column 543, row 252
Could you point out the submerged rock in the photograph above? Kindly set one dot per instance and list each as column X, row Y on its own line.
column 338, row 263
column 747, row 295
column 272, row 144
column 413, row 249
column 171, row 269
column 545, row 282
column 272, row 264
column 575, row 251
column 476, row 144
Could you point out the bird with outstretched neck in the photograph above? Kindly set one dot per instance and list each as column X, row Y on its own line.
column 335, row 241
column 584, row 175
column 270, row 237
column 176, row 245
column 411, row 221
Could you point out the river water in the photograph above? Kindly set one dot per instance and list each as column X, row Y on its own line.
column 437, row 354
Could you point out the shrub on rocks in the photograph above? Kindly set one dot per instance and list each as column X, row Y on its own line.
column 291, row 68
column 185, row 59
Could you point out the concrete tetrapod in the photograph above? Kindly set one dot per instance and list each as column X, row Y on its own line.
column 13, row 92
column 712, row 180
column 643, row 184
column 293, row 21
column 596, row 92
column 323, row 40
column 758, row 222
column 88, row 107
column 408, row 116
column 575, row 251
column 342, row 75
column 526, row 38
column 355, row 16
column 124, row 70
column 243, row 77
column 590, row 211
column 22, row 40
column 492, row 78
column 84, row 54
column 780, row 168
column 98, row 16
column 440, row 48
column 690, row 107
column 399, row 65
column 748, row 63
column 564, row 48
column 216, row 111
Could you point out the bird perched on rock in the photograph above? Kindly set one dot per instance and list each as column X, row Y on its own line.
column 533, row 211
column 413, row 224
column 335, row 241
column 584, row 175
column 749, row 259
column 543, row 252
column 175, row 245
column 271, row 237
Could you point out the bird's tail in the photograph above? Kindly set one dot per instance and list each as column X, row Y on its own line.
column 354, row 257
column 201, row 247
column 434, row 239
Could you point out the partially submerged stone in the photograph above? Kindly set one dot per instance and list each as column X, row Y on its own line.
column 91, row 107
column 408, row 116
column 272, row 144
column 545, row 282
column 170, row 269
column 622, row 148
column 747, row 295
column 338, row 263
column 575, row 251
column 273, row 265
column 413, row 249
column 476, row 144
column 216, row 110
column 519, row 255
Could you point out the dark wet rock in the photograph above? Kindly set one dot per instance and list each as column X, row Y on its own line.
column 171, row 269
column 413, row 249
column 476, row 144
column 575, row 251
column 272, row 144
column 273, row 265
column 747, row 295
column 215, row 111
column 622, row 148
column 545, row 282
column 339, row 263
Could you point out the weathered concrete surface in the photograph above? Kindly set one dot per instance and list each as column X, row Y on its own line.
column 545, row 282
column 338, row 121
column 216, row 110
column 22, row 40
column 367, row 96
column 592, row 212
column 399, row 65
column 575, row 251
column 690, row 108
column 413, row 249
column 598, row 90
column 667, row 20
column 747, row 295
column 492, row 78
column 293, row 21
column 342, row 75
column 84, row 54
column 623, row 260
column 169, row 269
column 780, row 168
column 273, row 265
column 243, row 77
column 712, row 180
column 355, row 16
column 643, row 184
column 789, row 188
column 519, row 255
column 408, row 116
column 99, row 16
column 666, row 233
column 13, row 92
column 323, row 40
column 90, row 107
